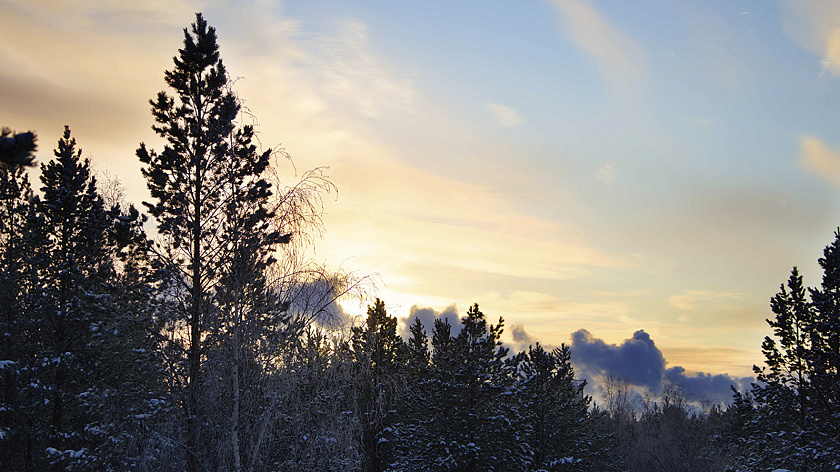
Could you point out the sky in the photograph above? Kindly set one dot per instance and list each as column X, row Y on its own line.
column 633, row 179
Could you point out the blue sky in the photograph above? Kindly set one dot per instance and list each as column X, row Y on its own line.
column 568, row 164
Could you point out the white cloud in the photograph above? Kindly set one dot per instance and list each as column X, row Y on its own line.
column 819, row 159
column 605, row 173
column 505, row 117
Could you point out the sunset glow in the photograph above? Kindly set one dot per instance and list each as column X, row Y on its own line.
column 566, row 164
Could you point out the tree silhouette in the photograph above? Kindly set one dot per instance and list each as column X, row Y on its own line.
column 17, row 149
column 187, row 180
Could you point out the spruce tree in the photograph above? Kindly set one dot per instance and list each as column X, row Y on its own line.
column 65, row 280
column 418, row 349
column 825, row 342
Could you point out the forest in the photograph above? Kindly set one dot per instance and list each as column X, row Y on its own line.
column 199, row 336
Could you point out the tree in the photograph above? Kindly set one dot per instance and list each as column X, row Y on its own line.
column 75, row 376
column 379, row 355
column 223, row 298
column 460, row 413
column 797, row 412
column 553, row 414
column 15, row 209
column 418, row 349
column 787, row 374
column 17, row 149
column 73, row 266
column 825, row 342
column 60, row 253
column 188, row 180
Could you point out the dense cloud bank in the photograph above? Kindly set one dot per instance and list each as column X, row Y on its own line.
column 638, row 361
column 428, row 316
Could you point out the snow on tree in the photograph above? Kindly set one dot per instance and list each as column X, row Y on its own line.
column 795, row 412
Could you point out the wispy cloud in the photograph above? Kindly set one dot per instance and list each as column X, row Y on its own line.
column 351, row 70
column 816, row 157
column 618, row 57
column 690, row 299
column 605, row 173
column 815, row 25
column 505, row 117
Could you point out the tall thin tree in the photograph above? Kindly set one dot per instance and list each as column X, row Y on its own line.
column 187, row 181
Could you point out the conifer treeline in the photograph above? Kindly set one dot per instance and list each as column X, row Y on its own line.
column 199, row 351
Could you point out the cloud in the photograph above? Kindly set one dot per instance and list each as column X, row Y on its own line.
column 349, row 69
column 637, row 358
column 619, row 59
column 703, row 386
column 605, row 173
column 815, row 26
column 519, row 334
column 521, row 339
column 643, row 365
column 689, row 299
column 819, row 159
column 505, row 117
column 427, row 317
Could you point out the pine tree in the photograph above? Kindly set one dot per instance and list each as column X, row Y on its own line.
column 220, row 226
column 379, row 355
column 187, row 180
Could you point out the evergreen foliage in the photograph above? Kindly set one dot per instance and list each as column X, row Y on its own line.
column 379, row 357
column 73, row 381
column 17, row 149
column 187, row 180
column 791, row 418
column 15, row 270
column 554, row 415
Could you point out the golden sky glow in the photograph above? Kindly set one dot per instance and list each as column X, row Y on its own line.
column 571, row 164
